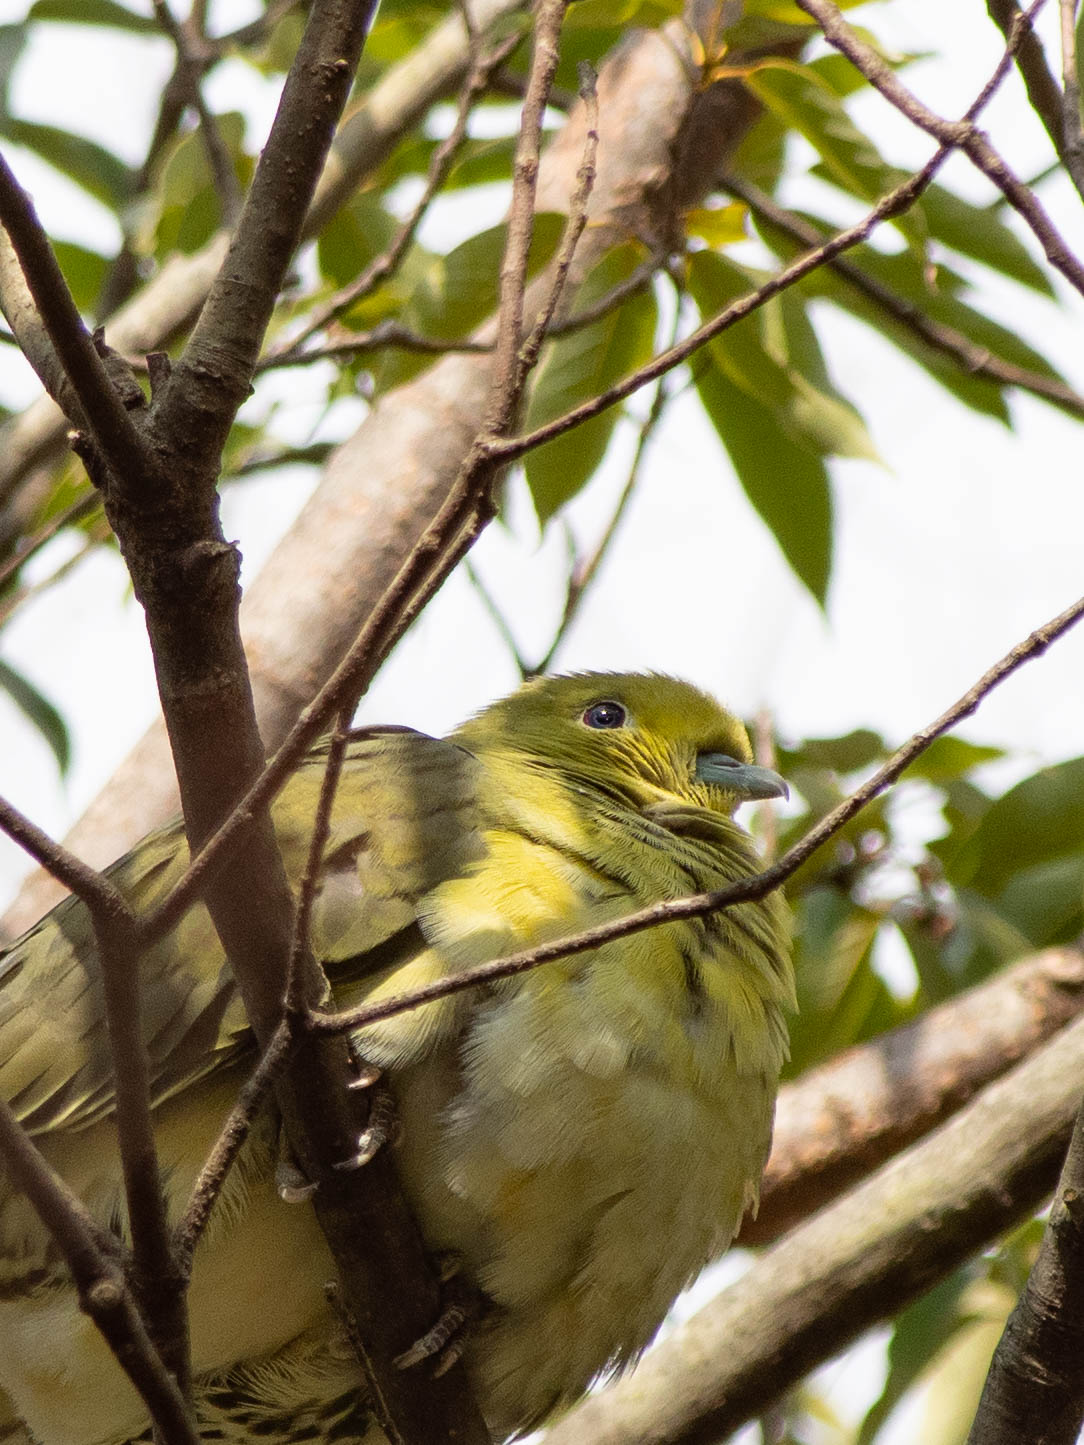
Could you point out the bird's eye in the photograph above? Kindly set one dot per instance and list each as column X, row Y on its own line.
column 605, row 715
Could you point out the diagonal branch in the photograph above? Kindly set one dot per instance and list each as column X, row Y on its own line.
column 1035, row 1388
column 962, row 135
column 699, row 905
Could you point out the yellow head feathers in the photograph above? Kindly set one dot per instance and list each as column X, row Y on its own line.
column 645, row 735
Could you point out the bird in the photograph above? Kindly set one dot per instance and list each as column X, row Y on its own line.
column 580, row 1139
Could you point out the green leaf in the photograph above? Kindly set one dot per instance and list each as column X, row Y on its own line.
column 950, row 757
column 84, row 270
column 94, row 12
column 847, row 754
column 841, row 998
column 582, row 365
column 910, row 282
column 786, row 483
column 1046, row 902
column 98, row 171
column 775, row 357
column 355, row 234
column 806, row 103
column 189, row 212
column 39, row 711
column 979, row 232
column 12, row 43
column 1042, row 818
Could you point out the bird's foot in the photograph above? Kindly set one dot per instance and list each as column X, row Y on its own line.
column 294, row 1186
column 464, row 1304
column 382, row 1128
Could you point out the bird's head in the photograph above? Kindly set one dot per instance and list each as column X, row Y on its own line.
column 643, row 737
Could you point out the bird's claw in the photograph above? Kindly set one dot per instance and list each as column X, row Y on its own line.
column 382, row 1127
column 293, row 1187
column 448, row 1338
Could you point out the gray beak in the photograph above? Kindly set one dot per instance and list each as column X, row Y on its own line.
column 745, row 779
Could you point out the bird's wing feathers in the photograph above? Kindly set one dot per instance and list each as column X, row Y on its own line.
column 404, row 821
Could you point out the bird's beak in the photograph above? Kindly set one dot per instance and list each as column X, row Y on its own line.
column 745, row 779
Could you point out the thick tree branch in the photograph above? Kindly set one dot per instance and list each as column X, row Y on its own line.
column 837, row 1123
column 1035, row 1388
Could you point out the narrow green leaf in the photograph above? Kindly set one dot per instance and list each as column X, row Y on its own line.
column 805, row 102
column 786, row 483
column 98, row 171
column 39, row 711
column 979, row 232
column 94, row 12
column 579, row 366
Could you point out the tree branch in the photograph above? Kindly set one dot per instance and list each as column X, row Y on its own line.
column 103, row 1293
column 837, row 1123
column 974, row 360
column 962, row 135
column 1035, row 1388
column 698, row 905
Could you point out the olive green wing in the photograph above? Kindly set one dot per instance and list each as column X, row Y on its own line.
column 404, row 820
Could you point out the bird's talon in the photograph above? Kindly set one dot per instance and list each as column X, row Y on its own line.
column 434, row 1341
column 381, row 1128
column 365, row 1075
column 292, row 1185
column 449, row 1337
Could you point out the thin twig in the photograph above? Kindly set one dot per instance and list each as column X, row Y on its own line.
column 117, row 941
column 497, row 617
column 509, row 372
column 577, row 220
column 392, row 333
column 82, row 507
column 756, row 886
column 894, row 203
column 1043, row 91
column 961, row 135
column 103, row 414
column 583, row 572
column 99, row 1279
column 1072, row 133
column 296, row 1000
column 216, row 1167
column 387, row 263
column 190, row 67
column 975, row 360
column 94, row 888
